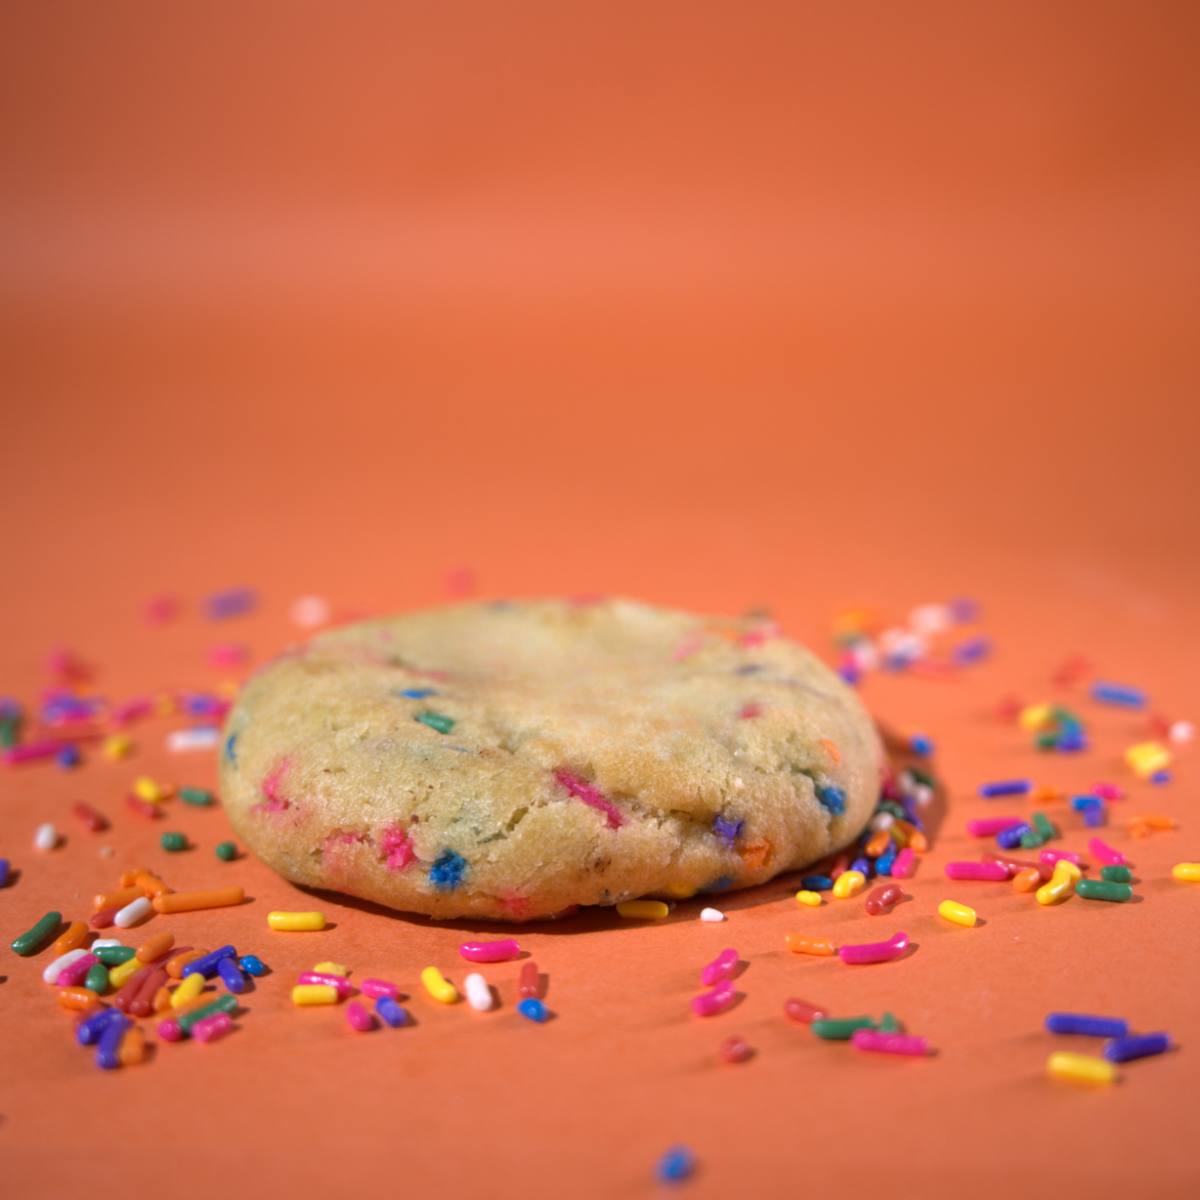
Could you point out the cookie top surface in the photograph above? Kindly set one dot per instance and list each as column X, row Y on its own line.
column 511, row 760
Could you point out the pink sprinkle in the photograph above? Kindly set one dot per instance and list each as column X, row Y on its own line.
column 874, row 952
column 718, row 1000
column 990, row 826
column 359, row 1018
column 1052, row 856
column 1106, row 854
column 397, row 849
column 270, row 784
column 989, row 872
column 375, row 988
column 132, row 710
column 889, row 1043
column 340, row 982
column 459, row 582
column 756, row 637
column 905, row 864
column 1107, row 791
column 76, row 972
column 228, row 656
column 160, row 610
column 721, row 967
column 688, row 647
column 270, row 806
column 211, row 1028
column 169, row 1030
column 753, row 709
column 490, row 952
column 591, row 797
column 33, row 750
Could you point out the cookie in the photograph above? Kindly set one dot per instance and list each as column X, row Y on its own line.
column 512, row 760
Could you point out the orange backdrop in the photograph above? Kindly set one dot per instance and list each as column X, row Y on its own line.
column 782, row 305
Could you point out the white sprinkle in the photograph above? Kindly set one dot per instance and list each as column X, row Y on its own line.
column 310, row 611
column 737, row 782
column 51, row 973
column 479, row 995
column 199, row 737
column 883, row 820
column 930, row 618
column 100, row 943
column 712, row 914
column 106, row 852
column 922, row 794
column 46, row 837
column 132, row 913
column 1182, row 732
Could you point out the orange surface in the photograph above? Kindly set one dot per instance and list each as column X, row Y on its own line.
column 796, row 307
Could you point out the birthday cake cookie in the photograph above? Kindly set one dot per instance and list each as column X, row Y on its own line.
column 512, row 760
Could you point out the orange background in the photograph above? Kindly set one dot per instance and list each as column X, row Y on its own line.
column 774, row 304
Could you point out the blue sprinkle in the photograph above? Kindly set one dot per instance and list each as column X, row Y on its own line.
column 1010, row 838
column 533, row 1008
column 1005, row 787
column 229, row 754
column 1083, row 803
column 964, row 609
column 418, row 693
column 1086, row 1025
column 1134, row 1045
column 1093, row 816
column 232, row 603
column 748, row 668
column 887, row 860
column 921, row 744
column 678, row 1163
column 971, row 651
column 391, row 1012
column 1118, row 693
column 252, row 965
column 67, row 757
column 446, row 872
column 730, row 831
column 816, row 883
column 831, row 798
column 1071, row 743
column 849, row 671
column 718, row 885
column 1161, row 777
column 863, row 866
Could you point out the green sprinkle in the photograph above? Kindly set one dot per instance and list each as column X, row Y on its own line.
column 1031, row 840
column 8, row 733
column 438, row 721
column 922, row 776
column 97, row 979
column 195, row 796
column 1041, row 823
column 173, row 841
column 840, row 1031
column 1116, row 874
column 888, row 1024
column 227, row 851
column 46, row 928
column 1095, row 889
column 226, row 1004
column 890, row 806
column 1046, row 741
column 114, row 956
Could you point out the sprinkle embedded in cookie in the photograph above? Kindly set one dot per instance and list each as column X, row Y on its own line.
column 514, row 760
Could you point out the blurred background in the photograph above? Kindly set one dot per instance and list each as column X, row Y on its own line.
column 714, row 304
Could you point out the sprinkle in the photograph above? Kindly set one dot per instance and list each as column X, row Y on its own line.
column 234, row 602
column 889, row 1043
column 119, row 745
column 4, row 868
column 479, row 995
column 848, row 883
column 296, row 922
column 721, row 997
column 391, row 1012
column 841, row 1030
column 1005, row 787
column 804, row 1012
column 812, row 899
column 712, row 915
column 154, row 947
column 490, row 952
column 1100, row 889
column 438, row 986
column 1185, row 872
column 228, row 656
column 821, row 947
column 173, row 842
column 971, row 651
column 905, row 864
column 188, row 1021
column 1014, row 836
column 143, row 809
column 68, row 757
column 438, row 721
column 310, row 611
column 314, row 993
column 1123, row 1049
column 816, row 883
column 231, row 975
column 722, row 967
column 226, row 851
column 446, row 872
column 728, row 831
column 883, row 899
column 191, row 901
column 62, row 962
column 339, row 983
column 1117, row 693
column 1181, row 732
column 643, row 910
column 72, row 939
column 833, row 799
column 530, row 982
column 874, row 952
column 93, row 821
column 198, row 737
column 109, row 1044
column 734, row 1049
column 1053, row 857
column 590, row 796
column 1148, row 757
column 960, row 914
column 374, row 988
column 332, row 968
column 212, row 1027
column 46, row 838
column 31, row 751
column 1152, row 821
column 132, row 913
column 990, row 826
column 1061, row 885
column 1086, row 1025
column 418, row 693
column 676, row 1164
column 146, row 789
column 1105, row 853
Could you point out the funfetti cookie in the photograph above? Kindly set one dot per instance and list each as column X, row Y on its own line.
column 511, row 760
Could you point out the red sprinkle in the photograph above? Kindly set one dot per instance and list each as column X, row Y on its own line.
column 734, row 1049
column 94, row 821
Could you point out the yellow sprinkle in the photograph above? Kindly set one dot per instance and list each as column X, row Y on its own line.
column 1036, row 716
column 1061, row 885
column 148, row 790
column 314, row 993
column 296, row 921
column 117, row 746
column 847, row 883
column 164, row 704
column 1069, row 868
column 192, row 986
column 680, row 891
column 118, row 976
column 960, row 914
column 438, row 986
column 1187, row 872
column 1147, row 757
column 643, row 910
column 1081, row 1068
column 331, row 968
column 812, row 899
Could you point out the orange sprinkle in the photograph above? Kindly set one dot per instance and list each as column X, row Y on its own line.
column 176, row 965
column 151, row 884
column 162, row 999
column 74, row 937
column 1045, row 794
column 832, row 750
column 126, row 895
column 76, row 997
column 128, row 878
column 155, row 947
column 805, row 945
column 916, row 839
column 1152, row 821
column 197, row 1001
column 1027, row 880
column 133, row 1046
column 190, row 901
column 877, row 843
column 755, row 853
